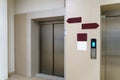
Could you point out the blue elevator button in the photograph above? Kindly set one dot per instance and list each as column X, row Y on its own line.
column 93, row 44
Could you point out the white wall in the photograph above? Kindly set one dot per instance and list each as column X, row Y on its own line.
column 3, row 40
column 106, row 2
column 78, row 64
column 11, row 36
column 26, row 6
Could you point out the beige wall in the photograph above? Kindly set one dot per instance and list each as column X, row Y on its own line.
column 21, row 44
column 78, row 65
column 26, row 6
column 106, row 2
column 35, row 47
column 11, row 55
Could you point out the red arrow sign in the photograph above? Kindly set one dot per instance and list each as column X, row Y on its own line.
column 90, row 26
column 74, row 20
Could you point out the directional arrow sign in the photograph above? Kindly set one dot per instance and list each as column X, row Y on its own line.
column 90, row 26
column 74, row 20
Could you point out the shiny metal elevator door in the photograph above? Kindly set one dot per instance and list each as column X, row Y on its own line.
column 112, row 49
column 46, row 55
column 59, row 49
column 52, row 49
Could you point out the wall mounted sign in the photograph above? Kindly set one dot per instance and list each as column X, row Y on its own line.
column 74, row 20
column 82, row 41
column 90, row 26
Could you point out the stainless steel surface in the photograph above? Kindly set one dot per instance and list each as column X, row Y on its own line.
column 93, row 53
column 114, row 16
column 52, row 49
column 111, row 48
column 47, row 49
column 59, row 49
column 103, row 19
column 55, row 22
column 50, row 19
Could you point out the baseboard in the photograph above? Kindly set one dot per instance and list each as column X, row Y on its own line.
column 11, row 73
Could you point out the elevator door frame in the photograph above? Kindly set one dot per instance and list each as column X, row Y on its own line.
column 52, row 23
column 32, row 58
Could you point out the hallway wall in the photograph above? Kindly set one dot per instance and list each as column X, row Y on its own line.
column 27, row 6
column 21, row 44
column 3, row 40
column 78, row 63
column 35, row 47
column 11, row 55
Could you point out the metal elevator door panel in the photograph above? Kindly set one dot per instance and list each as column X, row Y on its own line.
column 59, row 49
column 47, row 48
column 112, row 48
column 52, row 49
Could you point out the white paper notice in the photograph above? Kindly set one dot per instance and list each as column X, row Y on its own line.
column 81, row 45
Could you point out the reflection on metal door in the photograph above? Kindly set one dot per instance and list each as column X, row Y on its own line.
column 111, row 42
column 46, row 49
column 59, row 49
column 52, row 49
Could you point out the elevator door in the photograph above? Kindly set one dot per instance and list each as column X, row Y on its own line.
column 46, row 48
column 52, row 49
column 59, row 49
column 112, row 49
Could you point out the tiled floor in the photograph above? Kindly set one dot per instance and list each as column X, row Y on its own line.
column 19, row 77
column 38, row 77
column 49, row 77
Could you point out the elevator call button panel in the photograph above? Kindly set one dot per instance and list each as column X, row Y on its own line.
column 93, row 48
